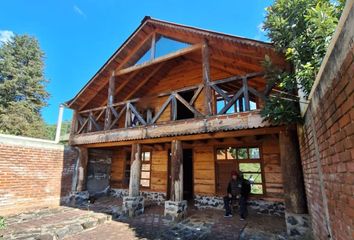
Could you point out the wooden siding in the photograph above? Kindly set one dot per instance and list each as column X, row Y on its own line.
column 117, row 168
column 204, row 170
column 159, row 171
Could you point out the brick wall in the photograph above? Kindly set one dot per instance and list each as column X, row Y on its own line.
column 327, row 139
column 33, row 173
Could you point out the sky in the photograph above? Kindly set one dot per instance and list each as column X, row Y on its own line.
column 79, row 36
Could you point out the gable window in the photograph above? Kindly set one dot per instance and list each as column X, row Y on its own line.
column 163, row 46
column 245, row 159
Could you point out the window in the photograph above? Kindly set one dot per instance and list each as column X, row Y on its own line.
column 145, row 169
column 244, row 159
column 237, row 107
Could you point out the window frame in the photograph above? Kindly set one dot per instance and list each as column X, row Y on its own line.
column 149, row 171
column 238, row 161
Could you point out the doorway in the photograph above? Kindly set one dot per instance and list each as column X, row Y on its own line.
column 187, row 174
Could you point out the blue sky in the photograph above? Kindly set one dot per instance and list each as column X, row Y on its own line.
column 79, row 36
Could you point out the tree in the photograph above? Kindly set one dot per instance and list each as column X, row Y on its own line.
column 22, row 87
column 302, row 30
column 51, row 129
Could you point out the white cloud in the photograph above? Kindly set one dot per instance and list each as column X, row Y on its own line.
column 79, row 11
column 6, row 36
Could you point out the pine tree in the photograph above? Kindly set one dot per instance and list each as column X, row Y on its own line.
column 22, row 87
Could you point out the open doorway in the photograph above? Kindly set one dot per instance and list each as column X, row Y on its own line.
column 187, row 174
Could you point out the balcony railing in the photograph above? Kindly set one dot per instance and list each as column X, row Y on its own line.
column 132, row 113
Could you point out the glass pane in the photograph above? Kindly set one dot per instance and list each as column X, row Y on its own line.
column 145, row 175
column 145, row 167
column 242, row 153
column 220, row 104
column 250, row 167
column 256, row 189
column 231, row 153
column 147, row 156
column 220, row 154
column 146, row 57
column 145, row 182
column 254, row 153
column 253, row 105
column 166, row 45
column 253, row 177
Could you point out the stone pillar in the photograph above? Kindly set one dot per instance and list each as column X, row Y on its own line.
column 176, row 207
column 133, row 204
column 296, row 217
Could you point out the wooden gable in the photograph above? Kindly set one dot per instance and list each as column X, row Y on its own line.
column 229, row 56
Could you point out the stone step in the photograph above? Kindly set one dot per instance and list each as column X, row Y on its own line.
column 60, row 227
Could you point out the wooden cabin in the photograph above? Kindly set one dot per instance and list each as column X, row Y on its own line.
column 173, row 112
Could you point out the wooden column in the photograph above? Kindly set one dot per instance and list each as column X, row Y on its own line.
column 74, row 123
column 110, row 101
column 206, row 79
column 294, row 189
column 245, row 93
column 135, row 169
column 176, row 171
column 80, row 171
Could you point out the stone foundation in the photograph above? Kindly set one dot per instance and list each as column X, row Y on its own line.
column 298, row 225
column 175, row 210
column 156, row 197
column 261, row 206
column 133, row 206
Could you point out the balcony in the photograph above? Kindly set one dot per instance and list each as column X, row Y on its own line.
column 233, row 104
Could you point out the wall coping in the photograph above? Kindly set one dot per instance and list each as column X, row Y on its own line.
column 336, row 53
column 29, row 142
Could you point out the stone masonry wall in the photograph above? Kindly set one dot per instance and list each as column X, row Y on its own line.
column 327, row 139
column 33, row 173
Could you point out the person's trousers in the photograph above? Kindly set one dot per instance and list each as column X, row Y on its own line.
column 227, row 203
column 243, row 207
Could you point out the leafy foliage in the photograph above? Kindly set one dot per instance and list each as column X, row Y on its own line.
column 22, row 87
column 2, row 223
column 51, row 129
column 302, row 30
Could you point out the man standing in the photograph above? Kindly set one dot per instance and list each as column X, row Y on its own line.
column 245, row 191
column 233, row 192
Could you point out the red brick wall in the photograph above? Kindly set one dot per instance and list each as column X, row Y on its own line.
column 327, row 143
column 33, row 174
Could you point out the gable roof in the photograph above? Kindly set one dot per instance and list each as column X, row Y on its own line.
column 149, row 25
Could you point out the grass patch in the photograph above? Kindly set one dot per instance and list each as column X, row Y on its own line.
column 2, row 222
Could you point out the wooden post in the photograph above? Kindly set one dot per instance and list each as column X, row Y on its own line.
column 173, row 107
column 110, row 101
column 176, row 171
column 128, row 116
column 245, row 93
column 206, row 79
column 74, row 123
column 80, row 173
column 153, row 46
column 294, row 189
column 89, row 123
column 135, row 169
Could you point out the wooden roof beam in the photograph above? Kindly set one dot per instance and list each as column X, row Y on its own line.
column 160, row 59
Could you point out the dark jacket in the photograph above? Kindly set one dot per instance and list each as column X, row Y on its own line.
column 245, row 188
column 234, row 187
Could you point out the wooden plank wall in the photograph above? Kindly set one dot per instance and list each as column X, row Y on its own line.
column 117, row 168
column 272, row 168
column 159, row 171
column 204, row 170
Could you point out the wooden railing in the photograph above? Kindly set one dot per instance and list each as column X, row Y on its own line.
column 96, row 119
